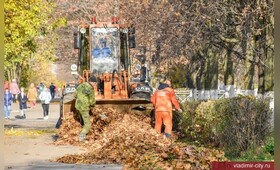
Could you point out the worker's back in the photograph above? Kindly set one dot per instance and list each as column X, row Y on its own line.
column 162, row 100
column 84, row 96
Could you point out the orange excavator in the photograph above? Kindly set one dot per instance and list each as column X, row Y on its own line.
column 104, row 52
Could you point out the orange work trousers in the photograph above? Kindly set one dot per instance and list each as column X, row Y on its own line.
column 166, row 119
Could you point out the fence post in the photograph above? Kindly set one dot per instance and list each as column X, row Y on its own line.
column 207, row 94
column 229, row 91
column 199, row 94
column 191, row 95
column 214, row 94
column 195, row 94
column 256, row 92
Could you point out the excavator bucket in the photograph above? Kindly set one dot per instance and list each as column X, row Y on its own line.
column 122, row 101
column 121, row 105
column 124, row 105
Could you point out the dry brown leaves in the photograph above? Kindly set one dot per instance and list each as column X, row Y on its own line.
column 129, row 139
column 71, row 126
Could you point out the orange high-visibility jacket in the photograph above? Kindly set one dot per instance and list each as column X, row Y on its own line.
column 163, row 100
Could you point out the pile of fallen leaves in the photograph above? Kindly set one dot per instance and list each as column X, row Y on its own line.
column 129, row 139
column 71, row 125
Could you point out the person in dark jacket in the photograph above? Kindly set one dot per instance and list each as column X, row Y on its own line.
column 52, row 90
column 22, row 100
column 8, row 98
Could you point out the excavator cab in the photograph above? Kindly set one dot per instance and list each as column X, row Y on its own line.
column 104, row 50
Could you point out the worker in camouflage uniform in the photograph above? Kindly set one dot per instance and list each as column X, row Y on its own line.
column 85, row 99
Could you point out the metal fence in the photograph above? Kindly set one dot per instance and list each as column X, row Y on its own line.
column 184, row 95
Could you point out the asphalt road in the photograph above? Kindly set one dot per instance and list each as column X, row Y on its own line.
column 25, row 153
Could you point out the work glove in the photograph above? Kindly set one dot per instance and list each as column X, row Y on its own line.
column 180, row 110
column 102, row 116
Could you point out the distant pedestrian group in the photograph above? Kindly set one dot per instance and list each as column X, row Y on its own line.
column 27, row 99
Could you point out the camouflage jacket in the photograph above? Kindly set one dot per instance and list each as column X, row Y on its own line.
column 84, row 97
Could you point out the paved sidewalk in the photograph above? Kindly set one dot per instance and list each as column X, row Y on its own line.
column 37, row 112
column 25, row 153
column 34, row 117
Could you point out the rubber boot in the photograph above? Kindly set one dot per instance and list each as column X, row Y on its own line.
column 87, row 123
column 168, row 135
column 82, row 137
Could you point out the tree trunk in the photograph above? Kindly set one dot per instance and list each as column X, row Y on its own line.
column 269, row 52
column 262, row 53
column 250, row 66
column 200, row 74
column 229, row 74
column 211, row 73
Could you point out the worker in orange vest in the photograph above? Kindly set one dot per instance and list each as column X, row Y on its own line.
column 163, row 99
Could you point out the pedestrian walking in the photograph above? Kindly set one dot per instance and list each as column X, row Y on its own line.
column 163, row 99
column 52, row 90
column 59, row 92
column 14, row 90
column 32, row 95
column 85, row 99
column 45, row 97
column 40, row 88
column 6, row 85
column 22, row 100
column 8, row 99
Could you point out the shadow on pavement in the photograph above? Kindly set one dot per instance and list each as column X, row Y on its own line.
column 61, row 166
column 30, row 124
column 12, row 126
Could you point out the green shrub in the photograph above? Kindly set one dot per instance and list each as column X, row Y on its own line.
column 234, row 124
column 246, row 123
column 264, row 152
column 269, row 145
column 182, row 121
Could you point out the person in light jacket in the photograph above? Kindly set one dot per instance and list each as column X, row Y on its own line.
column 45, row 97
column 14, row 90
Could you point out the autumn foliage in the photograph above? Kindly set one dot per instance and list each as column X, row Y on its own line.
column 129, row 139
